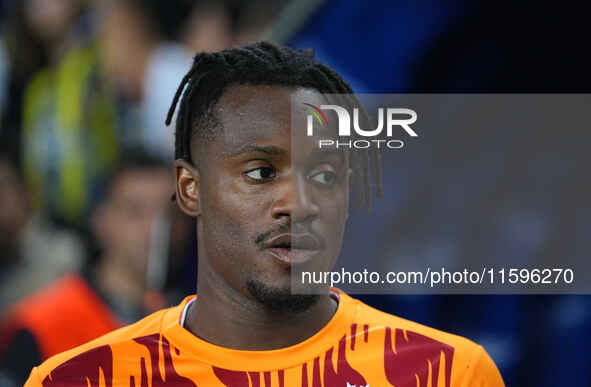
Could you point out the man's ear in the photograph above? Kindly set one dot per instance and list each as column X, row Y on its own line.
column 187, row 188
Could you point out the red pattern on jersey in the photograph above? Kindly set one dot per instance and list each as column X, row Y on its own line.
column 240, row 378
column 408, row 362
column 170, row 377
column 231, row 378
column 88, row 366
column 346, row 373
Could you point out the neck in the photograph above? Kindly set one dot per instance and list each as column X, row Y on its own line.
column 226, row 317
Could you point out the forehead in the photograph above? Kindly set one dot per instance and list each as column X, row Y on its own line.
column 249, row 113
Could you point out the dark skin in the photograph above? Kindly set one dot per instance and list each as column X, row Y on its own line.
column 245, row 188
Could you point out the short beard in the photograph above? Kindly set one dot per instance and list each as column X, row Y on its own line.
column 280, row 300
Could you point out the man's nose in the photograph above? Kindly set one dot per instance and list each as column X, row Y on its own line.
column 295, row 200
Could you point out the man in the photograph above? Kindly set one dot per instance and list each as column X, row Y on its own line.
column 25, row 237
column 33, row 253
column 263, row 211
column 111, row 292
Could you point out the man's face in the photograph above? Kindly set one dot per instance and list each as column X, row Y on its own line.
column 268, row 203
column 126, row 219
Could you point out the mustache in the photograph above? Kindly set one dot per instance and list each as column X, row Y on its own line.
column 281, row 229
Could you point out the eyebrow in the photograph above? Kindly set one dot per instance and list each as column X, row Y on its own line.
column 253, row 148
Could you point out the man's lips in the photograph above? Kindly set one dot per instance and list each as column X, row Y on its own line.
column 294, row 241
column 293, row 249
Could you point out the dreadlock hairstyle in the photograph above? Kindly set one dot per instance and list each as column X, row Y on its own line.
column 263, row 63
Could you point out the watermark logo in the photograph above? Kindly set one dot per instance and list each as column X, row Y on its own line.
column 388, row 119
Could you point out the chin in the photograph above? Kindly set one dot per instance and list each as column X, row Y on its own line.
column 279, row 299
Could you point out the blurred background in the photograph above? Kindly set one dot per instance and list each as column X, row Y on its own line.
column 87, row 228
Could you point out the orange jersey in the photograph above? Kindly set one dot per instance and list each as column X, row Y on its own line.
column 360, row 346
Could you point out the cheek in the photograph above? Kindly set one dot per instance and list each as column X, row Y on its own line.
column 333, row 220
column 334, row 206
column 230, row 225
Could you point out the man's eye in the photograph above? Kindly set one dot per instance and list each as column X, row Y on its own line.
column 325, row 178
column 262, row 173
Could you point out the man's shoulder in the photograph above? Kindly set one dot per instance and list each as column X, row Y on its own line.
column 367, row 317
column 98, row 353
column 405, row 340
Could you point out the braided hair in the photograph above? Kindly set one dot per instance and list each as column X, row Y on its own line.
column 262, row 63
